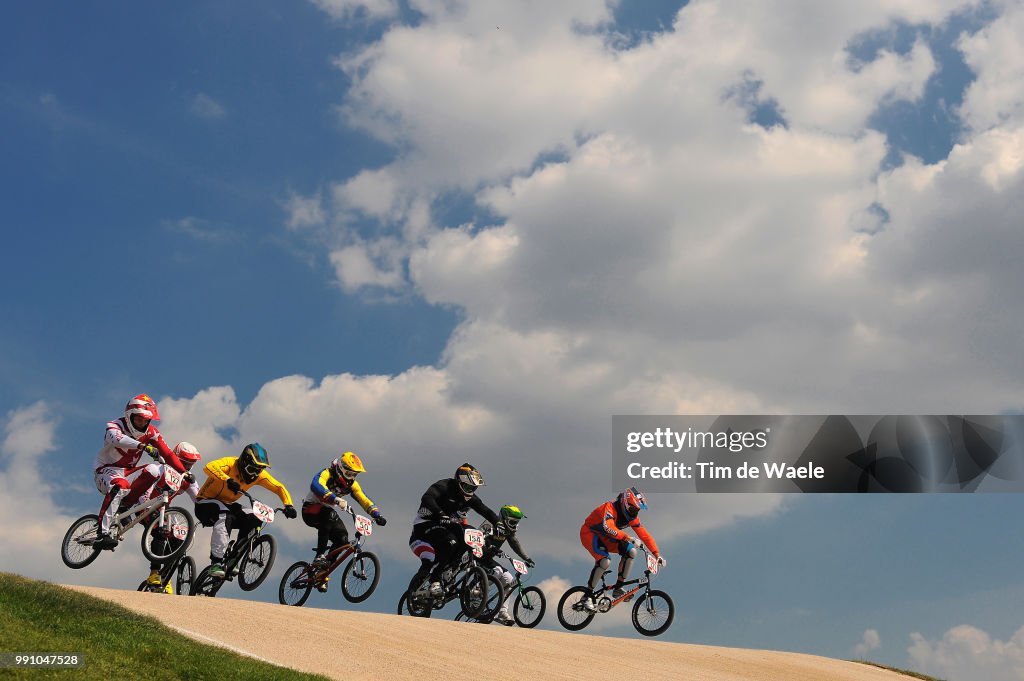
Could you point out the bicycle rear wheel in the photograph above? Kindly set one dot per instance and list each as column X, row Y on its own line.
column 653, row 613
column 78, row 549
column 571, row 612
column 413, row 607
column 296, row 585
column 360, row 577
column 205, row 585
column 529, row 607
column 256, row 563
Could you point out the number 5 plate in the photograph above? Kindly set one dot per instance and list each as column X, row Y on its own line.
column 364, row 525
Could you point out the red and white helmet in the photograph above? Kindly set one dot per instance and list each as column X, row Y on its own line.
column 187, row 453
column 631, row 502
column 144, row 406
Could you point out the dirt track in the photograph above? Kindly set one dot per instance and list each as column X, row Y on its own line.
column 385, row 647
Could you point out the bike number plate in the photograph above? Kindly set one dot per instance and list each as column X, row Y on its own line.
column 180, row 531
column 652, row 564
column 474, row 538
column 520, row 566
column 364, row 525
column 172, row 478
column 263, row 512
column 478, row 552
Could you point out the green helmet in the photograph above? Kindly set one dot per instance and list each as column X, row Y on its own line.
column 511, row 515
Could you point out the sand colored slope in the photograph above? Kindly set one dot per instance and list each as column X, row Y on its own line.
column 385, row 647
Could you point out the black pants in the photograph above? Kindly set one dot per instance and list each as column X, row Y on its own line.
column 446, row 542
column 328, row 525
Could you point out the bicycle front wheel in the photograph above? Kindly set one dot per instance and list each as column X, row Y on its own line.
column 256, row 563
column 529, row 607
column 165, row 541
column 473, row 594
column 296, row 585
column 361, row 576
column 495, row 599
column 653, row 613
column 78, row 548
column 571, row 612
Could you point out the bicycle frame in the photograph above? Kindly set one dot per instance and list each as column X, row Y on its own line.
column 234, row 554
column 144, row 510
column 642, row 583
column 340, row 554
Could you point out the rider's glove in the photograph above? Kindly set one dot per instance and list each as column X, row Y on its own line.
column 445, row 520
column 149, row 449
column 341, row 503
column 189, row 478
column 290, row 511
column 662, row 562
column 234, row 485
column 530, row 563
column 379, row 517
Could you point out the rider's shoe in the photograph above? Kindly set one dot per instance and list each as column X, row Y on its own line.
column 320, row 562
column 436, row 589
column 217, row 571
column 588, row 604
column 154, row 578
column 504, row 618
column 168, row 589
column 105, row 541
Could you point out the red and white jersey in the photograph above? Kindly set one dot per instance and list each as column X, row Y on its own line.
column 121, row 450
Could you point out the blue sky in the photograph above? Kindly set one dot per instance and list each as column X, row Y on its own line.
column 521, row 224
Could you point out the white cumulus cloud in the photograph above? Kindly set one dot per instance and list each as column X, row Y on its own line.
column 966, row 653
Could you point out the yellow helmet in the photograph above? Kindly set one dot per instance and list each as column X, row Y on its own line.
column 348, row 465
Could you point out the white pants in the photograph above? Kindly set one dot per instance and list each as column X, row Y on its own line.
column 115, row 483
column 219, row 540
column 509, row 579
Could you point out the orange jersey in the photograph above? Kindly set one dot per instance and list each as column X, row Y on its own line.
column 606, row 521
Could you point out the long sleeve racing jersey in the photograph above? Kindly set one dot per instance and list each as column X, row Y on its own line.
column 607, row 521
column 445, row 497
column 220, row 470
column 326, row 488
column 121, row 450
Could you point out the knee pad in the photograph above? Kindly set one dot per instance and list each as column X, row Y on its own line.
column 631, row 554
column 604, row 563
